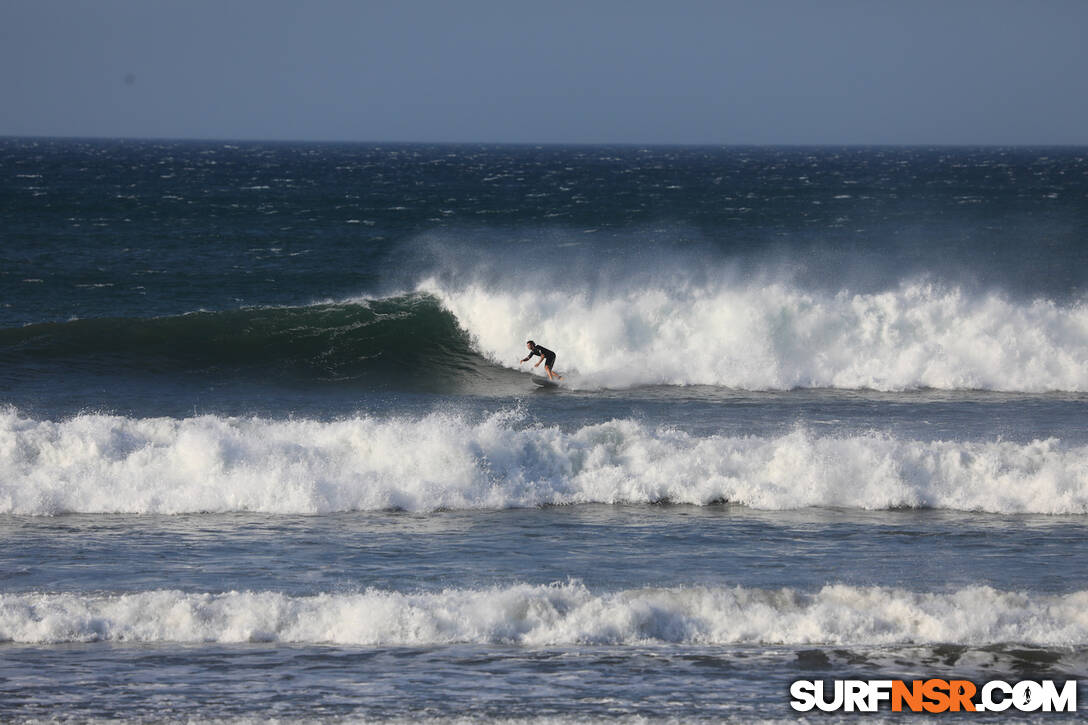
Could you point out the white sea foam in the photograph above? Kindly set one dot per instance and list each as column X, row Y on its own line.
column 558, row 614
column 778, row 336
column 104, row 463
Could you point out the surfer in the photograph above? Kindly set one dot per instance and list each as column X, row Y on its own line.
column 546, row 356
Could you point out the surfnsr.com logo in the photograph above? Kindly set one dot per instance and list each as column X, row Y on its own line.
column 933, row 696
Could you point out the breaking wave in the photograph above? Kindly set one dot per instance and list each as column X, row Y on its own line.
column 743, row 336
column 777, row 336
column 558, row 614
column 112, row 464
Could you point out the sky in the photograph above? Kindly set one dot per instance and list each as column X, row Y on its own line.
column 555, row 71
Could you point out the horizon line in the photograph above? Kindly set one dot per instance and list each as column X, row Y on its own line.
column 537, row 144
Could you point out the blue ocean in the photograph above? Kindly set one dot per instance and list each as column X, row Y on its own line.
column 268, row 451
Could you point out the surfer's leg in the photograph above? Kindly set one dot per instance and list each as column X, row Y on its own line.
column 548, row 366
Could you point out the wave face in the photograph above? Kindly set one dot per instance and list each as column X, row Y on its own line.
column 113, row 464
column 387, row 338
column 775, row 336
column 567, row 614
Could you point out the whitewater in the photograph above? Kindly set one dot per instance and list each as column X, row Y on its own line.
column 779, row 336
column 111, row 464
column 555, row 615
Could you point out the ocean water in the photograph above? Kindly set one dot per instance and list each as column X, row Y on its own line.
column 267, row 451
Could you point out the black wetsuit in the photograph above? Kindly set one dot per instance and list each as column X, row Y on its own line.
column 548, row 355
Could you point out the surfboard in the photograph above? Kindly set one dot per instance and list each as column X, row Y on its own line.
column 544, row 382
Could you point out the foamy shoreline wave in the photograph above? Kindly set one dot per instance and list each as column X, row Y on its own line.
column 558, row 614
column 115, row 464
